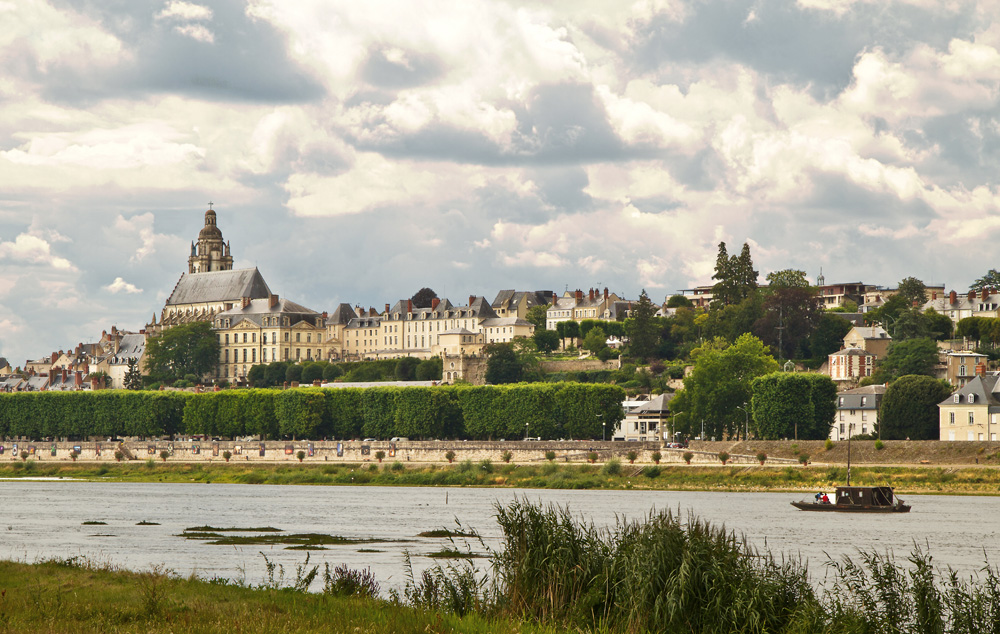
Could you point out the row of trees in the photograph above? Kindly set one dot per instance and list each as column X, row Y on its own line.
column 562, row 410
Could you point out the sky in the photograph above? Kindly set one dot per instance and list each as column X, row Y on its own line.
column 358, row 151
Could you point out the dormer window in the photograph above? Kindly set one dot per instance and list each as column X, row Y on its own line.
column 972, row 398
column 957, row 398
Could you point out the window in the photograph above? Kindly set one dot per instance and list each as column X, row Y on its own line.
column 841, row 416
column 864, row 415
column 864, row 401
column 263, row 338
column 244, row 337
column 227, row 356
column 842, row 429
column 253, row 355
column 971, row 398
column 957, row 398
column 227, row 337
column 951, row 418
column 298, row 337
column 244, row 355
column 253, row 337
column 972, row 418
column 263, row 355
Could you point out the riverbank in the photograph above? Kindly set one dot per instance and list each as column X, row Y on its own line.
column 79, row 597
column 612, row 475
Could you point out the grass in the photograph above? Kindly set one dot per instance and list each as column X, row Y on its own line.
column 611, row 475
column 453, row 553
column 268, row 536
column 73, row 597
column 443, row 532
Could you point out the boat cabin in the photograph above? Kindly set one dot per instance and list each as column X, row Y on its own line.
column 864, row 496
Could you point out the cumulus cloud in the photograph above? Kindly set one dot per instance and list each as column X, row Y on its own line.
column 177, row 9
column 121, row 286
column 196, row 32
column 29, row 249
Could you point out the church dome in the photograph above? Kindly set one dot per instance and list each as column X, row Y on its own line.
column 210, row 231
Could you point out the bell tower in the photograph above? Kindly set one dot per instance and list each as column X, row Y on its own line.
column 211, row 253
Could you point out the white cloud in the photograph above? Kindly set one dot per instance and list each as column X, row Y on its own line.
column 121, row 286
column 56, row 37
column 196, row 32
column 29, row 249
column 179, row 10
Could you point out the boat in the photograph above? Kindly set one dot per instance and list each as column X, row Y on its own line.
column 848, row 499
column 856, row 499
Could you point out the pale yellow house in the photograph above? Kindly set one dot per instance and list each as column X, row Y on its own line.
column 972, row 413
column 872, row 339
column 266, row 330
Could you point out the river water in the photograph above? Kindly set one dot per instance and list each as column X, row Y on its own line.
column 44, row 519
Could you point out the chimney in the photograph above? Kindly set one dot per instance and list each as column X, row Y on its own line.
column 591, row 296
column 409, row 305
column 325, row 316
column 434, row 303
column 579, row 295
column 142, row 332
column 972, row 295
column 64, row 376
column 980, row 369
column 55, row 355
column 953, row 297
column 555, row 298
column 387, row 308
column 273, row 301
column 78, row 379
column 472, row 299
column 605, row 293
column 244, row 302
column 933, row 295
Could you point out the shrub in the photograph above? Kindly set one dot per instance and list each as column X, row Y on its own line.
column 828, row 445
column 550, row 455
column 592, row 457
column 449, row 456
column 651, row 472
column 879, row 445
column 226, row 455
column 612, row 467
column 761, row 457
column 465, row 466
column 301, row 455
column 657, row 456
column 24, row 455
column 346, row 582
column 632, row 455
column 119, row 455
column 506, row 456
column 687, row 456
column 724, row 457
column 486, row 465
column 164, row 455
column 804, row 459
column 397, row 466
column 380, row 455
column 74, row 455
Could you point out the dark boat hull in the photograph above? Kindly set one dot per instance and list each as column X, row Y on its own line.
column 851, row 508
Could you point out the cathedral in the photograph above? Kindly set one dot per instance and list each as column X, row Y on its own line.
column 210, row 286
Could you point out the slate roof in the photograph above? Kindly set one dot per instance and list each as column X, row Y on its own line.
column 217, row 286
column 986, row 389
column 342, row 315
column 656, row 405
column 494, row 322
column 258, row 308
column 852, row 398
column 872, row 332
column 132, row 346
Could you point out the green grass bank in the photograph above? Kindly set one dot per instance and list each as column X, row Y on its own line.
column 611, row 475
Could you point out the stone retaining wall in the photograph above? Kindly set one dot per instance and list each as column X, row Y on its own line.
column 354, row 451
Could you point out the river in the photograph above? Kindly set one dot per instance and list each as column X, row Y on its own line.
column 44, row 519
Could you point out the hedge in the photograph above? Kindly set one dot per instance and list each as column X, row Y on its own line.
column 561, row 410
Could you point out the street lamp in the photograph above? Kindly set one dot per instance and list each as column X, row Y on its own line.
column 746, row 415
column 604, row 431
column 526, row 431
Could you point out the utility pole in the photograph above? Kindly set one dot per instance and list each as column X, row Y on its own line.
column 781, row 330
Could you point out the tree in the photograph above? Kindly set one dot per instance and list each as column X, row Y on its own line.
column 719, row 384
column 406, row 368
column 913, row 356
column 293, row 373
column 275, row 374
column 787, row 278
column 991, row 280
column 595, row 341
column 790, row 316
column 744, row 275
column 940, row 326
column 781, row 402
column 546, row 340
column 911, row 324
column 256, row 375
column 643, row 333
column 538, row 316
column 312, row 372
column 184, row 349
column 909, row 408
column 887, row 313
column 429, row 369
column 912, row 290
column 828, row 336
column 423, row 298
column 502, row 364
column 679, row 301
column 133, row 378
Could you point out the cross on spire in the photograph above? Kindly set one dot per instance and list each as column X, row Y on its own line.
column 210, row 204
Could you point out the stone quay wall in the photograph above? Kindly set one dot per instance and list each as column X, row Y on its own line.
column 353, row 451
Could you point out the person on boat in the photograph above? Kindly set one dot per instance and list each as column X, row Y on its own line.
column 819, row 497
column 825, row 499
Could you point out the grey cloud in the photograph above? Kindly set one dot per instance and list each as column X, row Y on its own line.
column 968, row 149
column 787, row 43
column 562, row 187
column 246, row 62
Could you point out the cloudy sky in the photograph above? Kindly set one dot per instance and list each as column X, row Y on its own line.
column 357, row 151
